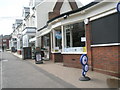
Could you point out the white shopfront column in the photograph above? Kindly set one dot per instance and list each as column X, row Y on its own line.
column 63, row 39
column 25, row 41
column 18, row 44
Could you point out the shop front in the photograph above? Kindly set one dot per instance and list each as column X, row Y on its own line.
column 74, row 43
column 92, row 30
column 68, row 42
column 28, row 46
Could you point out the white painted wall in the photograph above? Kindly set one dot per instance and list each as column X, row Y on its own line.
column 65, row 7
column 42, row 12
column 25, row 41
column 18, row 44
column 79, row 4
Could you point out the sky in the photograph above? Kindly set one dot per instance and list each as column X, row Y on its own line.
column 11, row 10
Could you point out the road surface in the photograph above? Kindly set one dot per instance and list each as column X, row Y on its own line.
column 18, row 73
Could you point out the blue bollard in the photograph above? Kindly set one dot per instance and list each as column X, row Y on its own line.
column 85, row 67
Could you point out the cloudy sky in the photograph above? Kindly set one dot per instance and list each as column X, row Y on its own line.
column 11, row 10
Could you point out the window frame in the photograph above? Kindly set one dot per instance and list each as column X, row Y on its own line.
column 71, row 40
column 53, row 42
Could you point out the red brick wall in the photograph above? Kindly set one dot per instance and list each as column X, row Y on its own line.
column 56, row 57
column 19, row 52
column 71, row 60
column 105, row 59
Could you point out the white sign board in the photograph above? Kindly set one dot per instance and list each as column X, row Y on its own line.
column 83, row 39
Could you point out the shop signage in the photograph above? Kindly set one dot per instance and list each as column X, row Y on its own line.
column 118, row 7
column 85, row 67
column 83, row 39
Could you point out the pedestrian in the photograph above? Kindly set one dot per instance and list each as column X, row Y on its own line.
column 3, row 48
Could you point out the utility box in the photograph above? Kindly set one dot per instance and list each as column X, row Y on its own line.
column 26, row 53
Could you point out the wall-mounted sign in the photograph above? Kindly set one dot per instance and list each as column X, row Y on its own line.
column 83, row 39
column 118, row 7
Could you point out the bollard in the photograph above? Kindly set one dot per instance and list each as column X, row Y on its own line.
column 85, row 67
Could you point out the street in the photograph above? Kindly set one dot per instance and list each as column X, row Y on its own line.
column 18, row 73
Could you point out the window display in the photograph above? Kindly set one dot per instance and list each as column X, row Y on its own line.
column 74, row 38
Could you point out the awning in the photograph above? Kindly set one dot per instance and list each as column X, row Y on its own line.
column 43, row 32
column 48, row 29
column 32, row 39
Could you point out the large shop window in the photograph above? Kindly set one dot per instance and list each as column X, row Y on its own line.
column 74, row 38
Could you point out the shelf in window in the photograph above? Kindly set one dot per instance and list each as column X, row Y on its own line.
column 73, row 52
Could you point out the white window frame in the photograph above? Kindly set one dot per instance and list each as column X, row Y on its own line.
column 71, row 44
column 64, row 43
column 53, row 42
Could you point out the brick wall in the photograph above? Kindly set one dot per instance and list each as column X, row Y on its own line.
column 19, row 52
column 105, row 59
column 71, row 60
column 56, row 57
column 101, row 59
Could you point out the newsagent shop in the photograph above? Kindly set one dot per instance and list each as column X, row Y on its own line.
column 92, row 30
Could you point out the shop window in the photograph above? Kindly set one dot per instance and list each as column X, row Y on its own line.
column 57, row 40
column 74, row 38
column 46, row 41
column 68, row 38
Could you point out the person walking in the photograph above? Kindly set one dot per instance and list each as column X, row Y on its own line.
column 3, row 48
